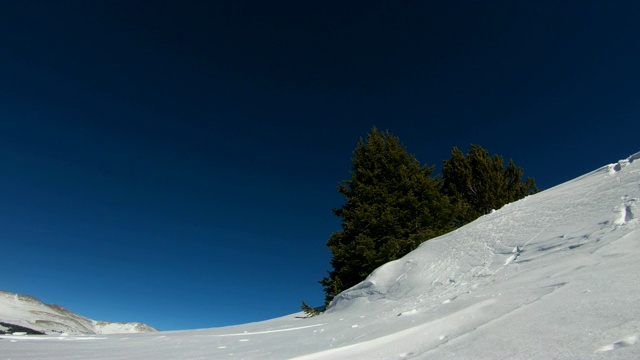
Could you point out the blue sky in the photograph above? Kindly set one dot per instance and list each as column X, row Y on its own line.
column 176, row 163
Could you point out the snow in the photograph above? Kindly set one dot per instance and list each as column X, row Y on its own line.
column 555, row 275
column 27, row 311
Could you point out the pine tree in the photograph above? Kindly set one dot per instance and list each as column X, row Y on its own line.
column 392, row 205
column 311, row 312
column 476, row 183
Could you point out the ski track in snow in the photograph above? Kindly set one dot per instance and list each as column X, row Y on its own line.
column 270, row 331
column 627, row 341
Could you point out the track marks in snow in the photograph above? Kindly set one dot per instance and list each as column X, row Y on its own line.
column 409, row 312
column 401, row 344
column 627, row 341
column 625, row 211
column 516, row 252
column 557, row 244
column 268, row 331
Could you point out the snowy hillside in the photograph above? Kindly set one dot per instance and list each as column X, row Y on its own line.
column 553, row 276
column 29, row 312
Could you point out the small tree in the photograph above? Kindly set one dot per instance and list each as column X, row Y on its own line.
column 392, row 205
column 311, row 312
column 476, row 183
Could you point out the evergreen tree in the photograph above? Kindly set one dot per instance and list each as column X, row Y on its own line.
column 311, row 312
column 392, row 205
column 476, row 183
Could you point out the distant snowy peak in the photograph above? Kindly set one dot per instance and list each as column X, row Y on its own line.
column 24, row 311
column 105, row 327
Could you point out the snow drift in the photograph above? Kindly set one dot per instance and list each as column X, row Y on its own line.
column 554, row 275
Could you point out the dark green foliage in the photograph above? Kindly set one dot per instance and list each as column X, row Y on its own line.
column 392, row 205
column 476, row 183
column 309, row 310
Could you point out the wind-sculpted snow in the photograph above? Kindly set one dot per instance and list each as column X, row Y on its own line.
column 553, row 276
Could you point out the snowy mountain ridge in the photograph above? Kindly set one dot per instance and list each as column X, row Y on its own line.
column 28, row 312
column 553, row 276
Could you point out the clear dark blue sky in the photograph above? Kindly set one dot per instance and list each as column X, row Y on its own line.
column 176, row 162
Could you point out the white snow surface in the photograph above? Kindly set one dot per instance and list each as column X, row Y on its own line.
column 27, row 311
column 553, row 276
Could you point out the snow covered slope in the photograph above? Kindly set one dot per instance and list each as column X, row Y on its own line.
column 553, row 276
column 29, row 312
